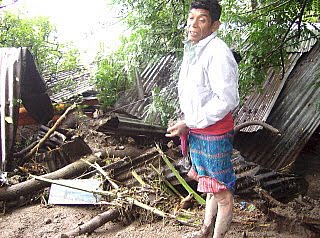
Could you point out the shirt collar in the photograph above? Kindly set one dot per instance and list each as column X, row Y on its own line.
column 202, row 42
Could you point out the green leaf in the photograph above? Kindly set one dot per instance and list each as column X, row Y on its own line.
column 199, row 199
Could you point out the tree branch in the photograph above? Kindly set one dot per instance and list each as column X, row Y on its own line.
column 58, row 122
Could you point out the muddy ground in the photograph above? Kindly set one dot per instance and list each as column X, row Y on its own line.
column 40, row 220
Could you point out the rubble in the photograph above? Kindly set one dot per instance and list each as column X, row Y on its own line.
column 136, row 167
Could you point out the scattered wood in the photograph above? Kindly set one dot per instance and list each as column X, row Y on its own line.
column 77, row 168
column 57, row 123
column 28, row 187
column 122, row 197
column 132, row 166
column 93, row 224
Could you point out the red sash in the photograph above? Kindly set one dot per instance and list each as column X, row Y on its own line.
column 225, row 125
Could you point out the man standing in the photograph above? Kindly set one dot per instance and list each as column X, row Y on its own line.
column 208, row 92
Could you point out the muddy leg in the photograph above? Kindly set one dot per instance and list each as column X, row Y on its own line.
column 210, row 213
column 206, row 230
column 224, row 215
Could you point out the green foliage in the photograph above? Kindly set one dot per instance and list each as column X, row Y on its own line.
column 157, row 27
column 265, row 33
column 160, row 107
column 110, row 79
column 39, row 36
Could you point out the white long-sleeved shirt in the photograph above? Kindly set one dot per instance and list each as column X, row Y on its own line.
column 208, row 82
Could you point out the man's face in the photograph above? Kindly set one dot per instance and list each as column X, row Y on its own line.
column 200, row 25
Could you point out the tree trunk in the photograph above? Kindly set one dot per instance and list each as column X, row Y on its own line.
column 32, row 185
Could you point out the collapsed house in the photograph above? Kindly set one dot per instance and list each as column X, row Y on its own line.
column 287, row 103
column 62, row 148
column 271, row 105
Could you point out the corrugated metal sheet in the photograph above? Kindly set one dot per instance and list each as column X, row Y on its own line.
column 260, row 103
column 155, row 75
column 295, row 113
column 20, row 83
column 291, row 111
column 67, row 85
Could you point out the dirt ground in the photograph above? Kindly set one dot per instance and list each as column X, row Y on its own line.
column 46, row 221
column 38, row 221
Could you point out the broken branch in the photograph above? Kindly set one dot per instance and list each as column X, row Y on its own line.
column 32, row 185
column 166, row 182
column 93, row 224
column 98, row 168
column 52, row 129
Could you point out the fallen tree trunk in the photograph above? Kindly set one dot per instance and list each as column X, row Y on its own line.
column 70, row 171
column 32, row 185
column 93, row 224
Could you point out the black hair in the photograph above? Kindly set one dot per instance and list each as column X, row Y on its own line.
column 212, row 6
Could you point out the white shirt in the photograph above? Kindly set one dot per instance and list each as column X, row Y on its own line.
column 208, row 82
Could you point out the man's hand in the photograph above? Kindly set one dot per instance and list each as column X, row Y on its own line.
column 177, row 129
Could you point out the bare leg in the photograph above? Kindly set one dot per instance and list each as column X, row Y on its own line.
column 224, row 215
column 209, row 219
column 210, row 213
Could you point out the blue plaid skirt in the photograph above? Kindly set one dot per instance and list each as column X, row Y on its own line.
column 211, row 157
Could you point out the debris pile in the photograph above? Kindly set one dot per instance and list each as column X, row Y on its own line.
column 139, row 178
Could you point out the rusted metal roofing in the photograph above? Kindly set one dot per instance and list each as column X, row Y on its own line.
column 295, row 113
column 287, row 102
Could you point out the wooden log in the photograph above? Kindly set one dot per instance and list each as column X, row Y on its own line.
column 72, row 170
column 32, row 185
column 93, row 224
